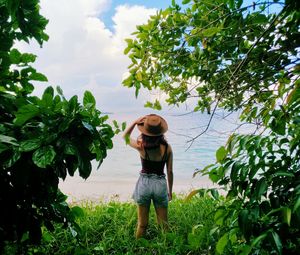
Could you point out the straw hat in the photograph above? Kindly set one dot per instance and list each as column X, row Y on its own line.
column 153, row 125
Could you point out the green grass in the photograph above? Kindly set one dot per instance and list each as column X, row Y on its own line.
column 109, row 228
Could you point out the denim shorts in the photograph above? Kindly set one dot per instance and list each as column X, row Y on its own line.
column 151, row 187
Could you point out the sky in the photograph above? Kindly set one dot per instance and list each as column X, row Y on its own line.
column 85, row 48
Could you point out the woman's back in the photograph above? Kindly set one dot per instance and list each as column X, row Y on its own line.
column 154, row 154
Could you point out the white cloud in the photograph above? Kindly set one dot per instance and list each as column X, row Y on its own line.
column 82, row 53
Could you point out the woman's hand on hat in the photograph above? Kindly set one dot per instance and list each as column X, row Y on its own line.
column 140, row 120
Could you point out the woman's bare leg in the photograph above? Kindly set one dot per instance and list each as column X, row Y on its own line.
column 143, row 219
column 162, row 217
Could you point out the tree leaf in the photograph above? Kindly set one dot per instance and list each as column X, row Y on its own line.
column 126, row 50
column 29, row 145
column 221, row 244
column 210, row 32
column 139, row 76
column 77, row 212
column 44, row 156
column 215, row 193
column 38, row 77
column 73, row 104
column 9, row 140
column 234, row 171
column 59, row 90
column 297, row 204
column 85, row 168
column 214, row 175
column 191, row 194
column 284, row 173
column 287, row 214
column 49, row 90
column 15, row 56
column 203, row 171
column 88, row 99
column 115, row 123
column 127, row 139
column 88, row 126
column 261, row 188
column 28, row 58
column 244, row 223
column 258, row 239
column 123, row 126
column 276, row 240
column 25, row 113
column 221, row 154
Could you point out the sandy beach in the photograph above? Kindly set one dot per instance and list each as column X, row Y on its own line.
column 104, row 189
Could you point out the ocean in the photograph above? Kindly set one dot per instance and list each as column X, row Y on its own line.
column 117, row 175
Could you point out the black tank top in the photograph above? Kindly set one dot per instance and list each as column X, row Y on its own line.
column 154, row 167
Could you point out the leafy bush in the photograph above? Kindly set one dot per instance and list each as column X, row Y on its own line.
column 261, row 174
column 42, row 139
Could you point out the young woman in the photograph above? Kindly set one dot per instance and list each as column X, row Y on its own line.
column 155, row 153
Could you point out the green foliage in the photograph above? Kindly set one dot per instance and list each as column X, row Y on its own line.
column 110, row 229
column 236, row 56
column 223, row 50
column 261, row 173
column 42, row 140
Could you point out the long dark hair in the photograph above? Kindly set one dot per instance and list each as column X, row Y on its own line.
column 152, row 142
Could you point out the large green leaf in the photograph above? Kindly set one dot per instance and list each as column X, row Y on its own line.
column 287, row 214
column 15, row 56
column 38, row 77
column 85, row 166
column 258, row 239
column 27, row 58
column 25, row 113
column 244, row 223
column 261, row 188
column 77, row 211
column 221, row 244
column 88, row 99
column 8, row 139
column 221, row 154
column 49, row 90
column 209, row 32
column 277, row 242
column 29, row 145
column 44, row 156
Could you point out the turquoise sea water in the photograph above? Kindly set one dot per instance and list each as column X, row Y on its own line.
column 120, row 170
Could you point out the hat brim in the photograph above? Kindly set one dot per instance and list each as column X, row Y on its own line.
column 164, row 128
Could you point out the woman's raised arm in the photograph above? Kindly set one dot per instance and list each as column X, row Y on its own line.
column 127, row 133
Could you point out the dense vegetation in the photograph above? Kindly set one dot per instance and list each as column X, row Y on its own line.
column 109, row 229
column 243, row 57
column 41, row 138
column 222, row 54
